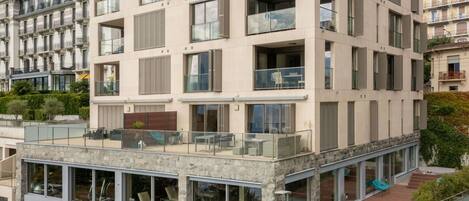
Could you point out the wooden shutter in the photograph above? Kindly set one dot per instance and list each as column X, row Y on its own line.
column 155, row 75
column 415, row 6
column 407, row 31
column 362, row 67
column 359, row 17
column 149, row 30
column 398, row 73
column 419, row 75
column 351, row 123
column 217, row 63
column 224, row 17
column 110, row 117
column 374, row 121
column 423, row 114
column 328, row 126
column 382, row 70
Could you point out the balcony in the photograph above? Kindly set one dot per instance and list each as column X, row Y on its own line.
column 56, row 24
column 452, row 76
column 395, row 39
column 82, row 66
column 30, row 51
column 327, row 19
column 107, row 88
column 81, row 40
column 277, row 20
column 107, row 6
column 442, row 3
column 3, row 34
column 69, row 44
column 280, row 78
column 204, row 32
column 113, row 46
column 259, row 146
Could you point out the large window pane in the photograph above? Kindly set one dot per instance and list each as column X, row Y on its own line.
column 211, row 11
column 54, row 181
column 209, row 192
column 138, row 188
column 298, row 189
column 36, row 178
column 81, row 184
column 351, row 182
column 105, row 186
column 197, row 77
column 239, row 193
column 371, row 172
column 412, row 158
column 273, row 118
column 399, row 166
column 328, row 186
column 166, row 189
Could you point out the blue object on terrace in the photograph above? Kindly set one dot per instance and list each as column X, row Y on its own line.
column 380, row 185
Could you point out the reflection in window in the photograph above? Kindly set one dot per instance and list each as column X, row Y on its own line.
column 166, row 189
column 36, row 178
column 271, row 118
column 204, row 191
column 197, row 73
column 210, row 118
column 351, row 182
column 298, row 189
column 412, row 158
column 138, row 187
column 105, row 186
column 371, row 172
column 328, row 68
column 399, row 165
column 205, row 25
column 54, row 181
column 328, row 186
column 81, row 184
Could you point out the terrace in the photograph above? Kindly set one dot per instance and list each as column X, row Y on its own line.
column 257, row 146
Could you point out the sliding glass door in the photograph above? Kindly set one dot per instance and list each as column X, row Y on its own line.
column 271, row 118
column 210, row 118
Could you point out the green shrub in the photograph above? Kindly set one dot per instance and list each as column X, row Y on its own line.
column 72, row 102
column 17, row 107
column 138, row 125
column 445, row 110
column 28, row 115
column 84, row 113
column 22, row 88
column 53, row 107
column 82, row 86
column 40, row 115
column 446, row 186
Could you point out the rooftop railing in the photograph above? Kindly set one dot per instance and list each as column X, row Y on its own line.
column 223, row 144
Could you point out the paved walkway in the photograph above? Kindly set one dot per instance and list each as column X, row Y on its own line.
column 396, row 193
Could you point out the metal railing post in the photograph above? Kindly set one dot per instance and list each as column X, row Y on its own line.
column 38, row 141
column 68, row 136
column 53, row 135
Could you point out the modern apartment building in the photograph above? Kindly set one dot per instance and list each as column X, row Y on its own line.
column 44, row 42
column 239, row 100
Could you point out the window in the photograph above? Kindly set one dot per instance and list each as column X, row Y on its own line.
column 106, row 6
column 138, row 187
column 328, row 126
column 375, row 70
column 327, row 186
column 453, row 88
column 62, row 82
column 390, row 73
column 271, row 118
column 203, row 72
column 107, row 80
column 371, row 173
column 351, row 182
column 299, row 190
column 210, row 118
column 327, row 15
column 351, row 17
column 354, row 68
column 412, row 158
column 328, row 68
column 105, row 185
column 205, row 24
column 417, row 36
column 395, row 30
column 204, row 191
column 399, row 161
column 81, row 184
column 37, row 174
column 453, row 64
column 111, row 39
column 414, row 75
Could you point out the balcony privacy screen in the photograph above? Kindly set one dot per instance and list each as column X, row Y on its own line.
column 149, row 30
column 155, row 75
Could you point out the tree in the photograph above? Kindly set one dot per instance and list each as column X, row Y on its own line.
column 53, row 107
column 17, row 107
column 82, row 86
column 22, row 88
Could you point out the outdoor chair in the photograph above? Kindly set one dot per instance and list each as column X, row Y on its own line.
column 96, row 135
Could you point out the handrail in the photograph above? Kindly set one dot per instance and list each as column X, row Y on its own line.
column 456, row 195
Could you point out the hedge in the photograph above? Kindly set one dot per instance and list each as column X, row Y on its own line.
column 445, row 187
column 72, row 102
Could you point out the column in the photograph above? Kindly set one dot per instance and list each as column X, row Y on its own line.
column 185, row 190
column 362, row 170
column 66, row 194
column 340, row 184
column 118, row 187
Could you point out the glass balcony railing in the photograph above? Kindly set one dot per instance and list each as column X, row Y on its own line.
column 280, row 78
column 354, row 79
column 107, row 88
column 113, row 46
column 327, row 19
column 106, row 7
column 255, row 146
column 329, row 78
column 395, row 39
column 204, row 32
column 271, row 21
column 351, row 26
column 197, row 83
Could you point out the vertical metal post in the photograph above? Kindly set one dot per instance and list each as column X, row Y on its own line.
column 38, row 141
column 53, row 135
column 68, row 136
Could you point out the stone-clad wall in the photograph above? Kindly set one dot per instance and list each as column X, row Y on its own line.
column 269, row 173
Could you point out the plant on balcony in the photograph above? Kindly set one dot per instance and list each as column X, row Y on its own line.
column 438, row 41
column 138, row 125
column 52, row 107
column 22, row 88
column 17, row 107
